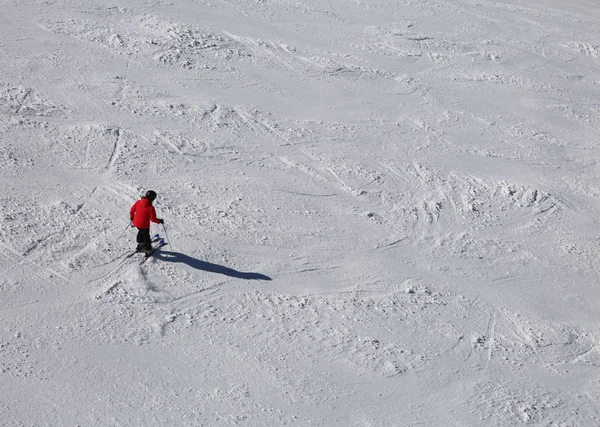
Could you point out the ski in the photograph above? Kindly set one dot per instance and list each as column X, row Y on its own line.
column 155, row 238
column 154, row 249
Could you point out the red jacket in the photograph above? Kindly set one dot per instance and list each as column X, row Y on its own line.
column 142, row 213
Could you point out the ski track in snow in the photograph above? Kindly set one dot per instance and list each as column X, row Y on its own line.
column 380, row 213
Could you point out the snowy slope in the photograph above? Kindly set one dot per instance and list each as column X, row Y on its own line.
column 381, row 213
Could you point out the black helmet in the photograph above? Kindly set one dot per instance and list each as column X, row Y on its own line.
column 150, row 195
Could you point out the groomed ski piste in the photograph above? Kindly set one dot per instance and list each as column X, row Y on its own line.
column 379, row 213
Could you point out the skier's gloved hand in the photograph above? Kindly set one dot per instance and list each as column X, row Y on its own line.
column 162, row 221
column 131, row 218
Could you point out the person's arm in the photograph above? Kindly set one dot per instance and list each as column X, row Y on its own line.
column 132, row 211
column 153, row 217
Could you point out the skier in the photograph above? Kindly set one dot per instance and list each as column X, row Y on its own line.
column 141, row 213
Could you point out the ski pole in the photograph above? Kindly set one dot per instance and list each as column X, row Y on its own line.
column 128, row 225
column 166, row 235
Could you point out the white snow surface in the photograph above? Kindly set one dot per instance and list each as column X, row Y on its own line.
column 379, row 213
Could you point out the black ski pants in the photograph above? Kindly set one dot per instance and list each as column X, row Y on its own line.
column 143, row 239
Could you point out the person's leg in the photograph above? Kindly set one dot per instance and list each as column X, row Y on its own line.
column 143, row 240
column 140, row 240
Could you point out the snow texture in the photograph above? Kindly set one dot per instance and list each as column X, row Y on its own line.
column 379, row 213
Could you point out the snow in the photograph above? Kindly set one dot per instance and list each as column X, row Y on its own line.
column 379, row 213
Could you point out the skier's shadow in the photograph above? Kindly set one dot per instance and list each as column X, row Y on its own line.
column 207, row 266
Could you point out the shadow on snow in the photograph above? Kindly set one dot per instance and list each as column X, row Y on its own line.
column 207, row 266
